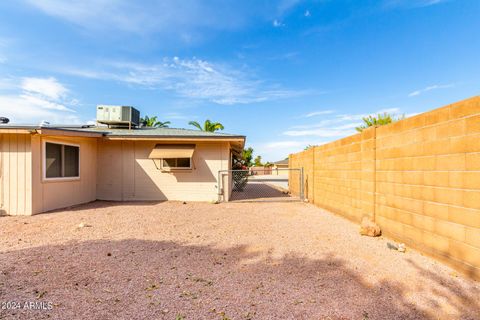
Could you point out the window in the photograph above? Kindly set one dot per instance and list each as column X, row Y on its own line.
column 177, row 163
column 61, row 161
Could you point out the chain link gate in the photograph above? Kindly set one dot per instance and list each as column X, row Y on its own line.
column 261, row 184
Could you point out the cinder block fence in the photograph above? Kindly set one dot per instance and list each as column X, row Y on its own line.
column 419, row 179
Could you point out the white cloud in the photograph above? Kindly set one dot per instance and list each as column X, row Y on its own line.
column 412, row 3
column 3, row 45
column 176, row 116
column 334, row 127
column 426, row 3
column 31, row 100
column 278, row 150
column 184, row 20
column 283, row 144
column 48, row 87
column 43, row 103
column 192, row 78
column 318, row 113
column 21, row 110
column 429, row 88
column 277, row 24
column 320, row 132
column 285, row 5
column 8, row 83
column 329, row 128
column 122, row 15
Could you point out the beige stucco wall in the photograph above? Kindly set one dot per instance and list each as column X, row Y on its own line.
column 15, row 174
column 55, row 194
column 109, row 170
column 126, row 173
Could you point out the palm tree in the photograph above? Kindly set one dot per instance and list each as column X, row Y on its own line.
column 207, row 126
column 258, row 161
column 378, row 120
column 152, row 122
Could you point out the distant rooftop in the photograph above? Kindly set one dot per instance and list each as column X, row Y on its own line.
column 284, row 161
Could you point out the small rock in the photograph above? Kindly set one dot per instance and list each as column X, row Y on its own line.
column 392, row 246
column 369, row 228
column 83, row 225
column 399, row 247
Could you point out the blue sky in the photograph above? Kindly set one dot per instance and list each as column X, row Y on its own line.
column 284, row 73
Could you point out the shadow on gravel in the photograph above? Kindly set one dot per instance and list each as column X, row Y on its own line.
column 100, row 204
column 461, row 298
column 137, row 279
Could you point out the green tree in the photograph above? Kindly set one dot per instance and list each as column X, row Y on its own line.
column 247, row 156
column 153, row 122
column 378, row 120
column 308, row 147
column 207, row 126
column 258, row 161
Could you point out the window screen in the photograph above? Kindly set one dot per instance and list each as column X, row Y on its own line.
column 61, row 161
column 180, row 163
column 71, row 161
column 169, row 162
column 183, row 162
column 53, row 161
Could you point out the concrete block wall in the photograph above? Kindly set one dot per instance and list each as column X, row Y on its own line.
column 428, row 183
column 418, row 178
column 302, row 160
column 338, row 177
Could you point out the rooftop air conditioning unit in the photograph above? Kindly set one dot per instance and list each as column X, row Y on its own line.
column 118, row 116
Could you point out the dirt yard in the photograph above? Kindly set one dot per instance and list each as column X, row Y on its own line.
column 228, row 261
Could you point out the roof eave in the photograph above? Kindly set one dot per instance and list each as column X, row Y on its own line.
column 68, row 133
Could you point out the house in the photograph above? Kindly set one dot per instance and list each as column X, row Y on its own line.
column 278, row 165
column 260, row 170
column 50, row 167
column 282, row 164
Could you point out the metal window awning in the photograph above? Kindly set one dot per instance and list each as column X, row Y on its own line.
column 169, row 151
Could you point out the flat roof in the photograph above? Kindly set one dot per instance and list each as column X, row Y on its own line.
column 132, row 133
column 147, row 133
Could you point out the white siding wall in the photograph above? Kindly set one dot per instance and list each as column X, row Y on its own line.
column 15, row 174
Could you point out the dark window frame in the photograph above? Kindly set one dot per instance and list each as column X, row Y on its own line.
column 63, row 165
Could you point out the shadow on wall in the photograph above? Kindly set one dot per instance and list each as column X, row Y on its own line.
column 133, row 279
column 144, row 186
column 151, row 183
column 201, row 171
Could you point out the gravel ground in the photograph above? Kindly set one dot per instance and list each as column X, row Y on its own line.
column 228, row 261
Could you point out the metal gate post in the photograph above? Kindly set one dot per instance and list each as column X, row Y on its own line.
column 302, row 187
column 220, row 186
